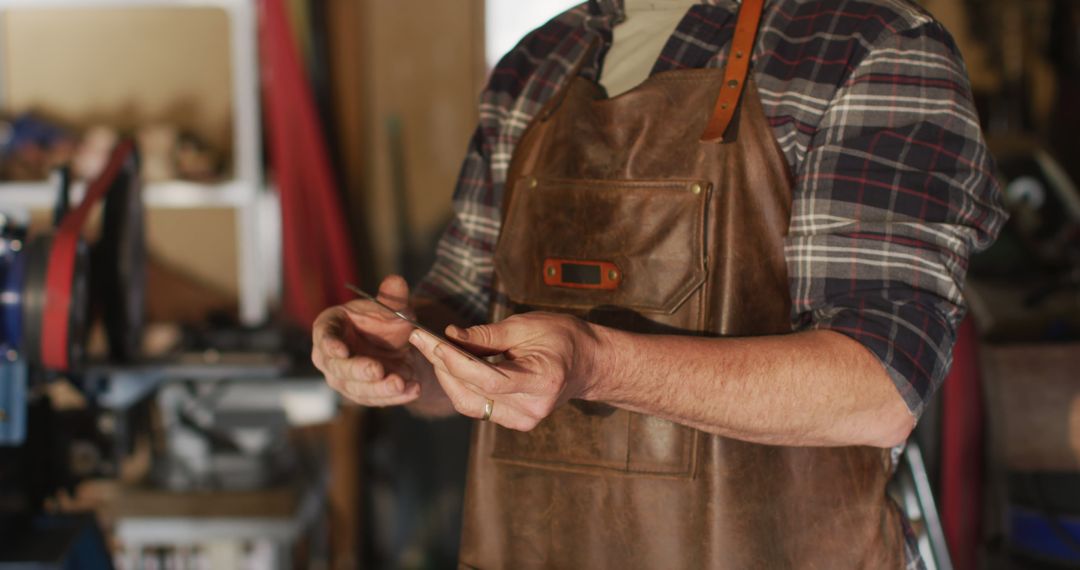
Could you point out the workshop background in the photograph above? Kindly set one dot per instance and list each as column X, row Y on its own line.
column 193, row 180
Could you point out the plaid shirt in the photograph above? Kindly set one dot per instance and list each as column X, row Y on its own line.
column 870, row 102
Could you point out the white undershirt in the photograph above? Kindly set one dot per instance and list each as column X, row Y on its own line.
column 637, row 42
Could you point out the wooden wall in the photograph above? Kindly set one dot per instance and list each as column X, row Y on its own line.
column 420, row 63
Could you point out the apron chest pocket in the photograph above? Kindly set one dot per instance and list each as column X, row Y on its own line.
column 581, row 244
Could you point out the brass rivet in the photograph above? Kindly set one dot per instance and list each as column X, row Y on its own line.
column 551, row 271
column 738, row 54
column 695, row 188
column 733, row 83
column 533, row 183
column 723, row 106
column 613, row 275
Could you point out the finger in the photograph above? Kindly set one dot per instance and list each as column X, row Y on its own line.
column 481, row 377
column 425, row 344
column 471, row 404
column 327, row 334
column 461, row 337
column 378, row 327
column 508, row 416
column 329, row 345
column 519, row 409
column 389, row 402
column 394, row 291
column 467, row 400
column 398, row 401
column 393, row 386
column 493, row 338
column 334, row 347
column 464, row 399
column 378, row 322
column 356, row 369
column 411, row 393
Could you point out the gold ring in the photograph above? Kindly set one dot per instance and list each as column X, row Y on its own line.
column 489, row 406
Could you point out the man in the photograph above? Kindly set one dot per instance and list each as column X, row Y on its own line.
column 719, row 297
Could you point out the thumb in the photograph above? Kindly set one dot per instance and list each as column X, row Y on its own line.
column 488, row 339
column 394, row 291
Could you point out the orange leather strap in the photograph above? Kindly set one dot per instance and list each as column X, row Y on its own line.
column 735, row 71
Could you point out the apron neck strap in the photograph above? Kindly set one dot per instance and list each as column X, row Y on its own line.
column 735, row 71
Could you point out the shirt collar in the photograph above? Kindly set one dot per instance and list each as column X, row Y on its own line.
column 614, row 8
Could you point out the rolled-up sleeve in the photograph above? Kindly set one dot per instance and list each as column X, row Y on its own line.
column 895, row 193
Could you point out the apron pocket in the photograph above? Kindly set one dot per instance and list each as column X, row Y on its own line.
column 580, row 244
column 616, row 441
column 623, row 253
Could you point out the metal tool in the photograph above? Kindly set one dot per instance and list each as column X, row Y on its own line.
column 460, row 349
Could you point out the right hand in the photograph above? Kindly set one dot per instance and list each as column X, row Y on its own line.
column 364, row 351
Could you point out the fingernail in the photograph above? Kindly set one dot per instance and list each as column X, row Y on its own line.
column 416, row 337
column 458, row 332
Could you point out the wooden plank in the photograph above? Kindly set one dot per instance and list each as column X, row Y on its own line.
column 430, row 87
column 347, row 53
column 270, row 503
column 344, row 503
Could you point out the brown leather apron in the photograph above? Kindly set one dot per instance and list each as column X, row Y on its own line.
column 621, row 212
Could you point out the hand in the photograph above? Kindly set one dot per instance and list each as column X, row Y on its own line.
column 550, row 359
column 364, row 351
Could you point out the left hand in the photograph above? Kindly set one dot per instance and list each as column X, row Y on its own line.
column 550, row 359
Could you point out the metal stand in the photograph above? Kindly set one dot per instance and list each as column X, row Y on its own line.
column 917, row 501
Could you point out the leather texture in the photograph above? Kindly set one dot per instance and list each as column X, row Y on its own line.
column 592, row 486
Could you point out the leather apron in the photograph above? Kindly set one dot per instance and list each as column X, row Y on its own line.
column 622, row 212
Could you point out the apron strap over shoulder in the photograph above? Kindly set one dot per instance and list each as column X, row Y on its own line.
column 735, row 71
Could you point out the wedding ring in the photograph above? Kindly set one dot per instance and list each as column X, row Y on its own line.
column 489, row 406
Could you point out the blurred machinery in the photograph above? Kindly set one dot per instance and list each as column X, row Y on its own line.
column 1027, row 287
column 1025, row 296
column 216, row 412
column 47, row 284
